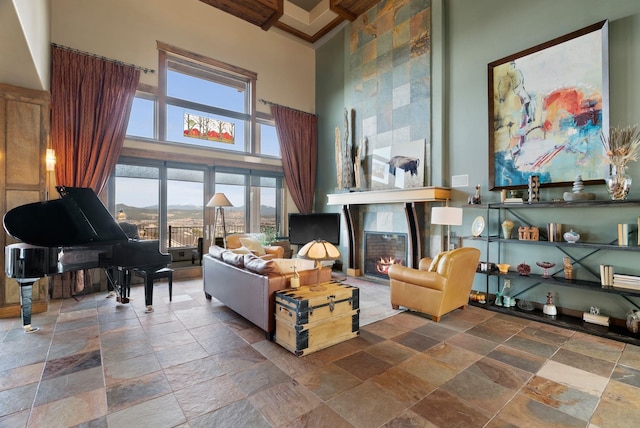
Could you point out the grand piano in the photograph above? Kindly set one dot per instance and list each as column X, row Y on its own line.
column 72, row 233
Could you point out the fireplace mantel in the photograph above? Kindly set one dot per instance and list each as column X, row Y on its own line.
column 416, row 194
column 408, row 197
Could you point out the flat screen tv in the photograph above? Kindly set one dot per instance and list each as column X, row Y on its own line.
column 304, row 228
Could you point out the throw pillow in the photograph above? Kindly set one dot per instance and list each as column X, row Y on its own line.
column 253, row 245
column 258, row 265
column 433, row 267
column 233, row 259
column 241, row 250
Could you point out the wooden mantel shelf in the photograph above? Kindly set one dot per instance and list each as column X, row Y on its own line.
column 416, row 194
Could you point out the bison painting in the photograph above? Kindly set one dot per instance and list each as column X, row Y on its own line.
column 406, row 163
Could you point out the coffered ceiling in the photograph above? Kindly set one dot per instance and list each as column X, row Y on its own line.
column 308, row 20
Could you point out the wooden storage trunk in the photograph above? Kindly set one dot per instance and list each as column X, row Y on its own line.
column 310, row 318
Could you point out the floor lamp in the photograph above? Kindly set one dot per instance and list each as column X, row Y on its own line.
column 219, row 201
column 448, row 216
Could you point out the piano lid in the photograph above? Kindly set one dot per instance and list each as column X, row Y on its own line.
column 77, row 218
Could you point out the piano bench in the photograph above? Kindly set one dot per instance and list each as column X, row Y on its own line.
column 159, row 274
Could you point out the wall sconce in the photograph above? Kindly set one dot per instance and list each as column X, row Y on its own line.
column 50, row 160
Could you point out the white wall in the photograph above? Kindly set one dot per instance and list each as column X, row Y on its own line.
column 127, row 30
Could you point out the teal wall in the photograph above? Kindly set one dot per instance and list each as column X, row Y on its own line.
column 468, row 35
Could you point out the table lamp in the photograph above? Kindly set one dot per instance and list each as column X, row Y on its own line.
column 319, row 250
column 449, row 216
column 219, row 201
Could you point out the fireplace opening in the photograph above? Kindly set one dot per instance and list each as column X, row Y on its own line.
column 383, row 249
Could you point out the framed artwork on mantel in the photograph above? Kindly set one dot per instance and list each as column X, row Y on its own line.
column 547, row 108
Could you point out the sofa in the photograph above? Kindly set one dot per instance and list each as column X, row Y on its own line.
column 246, row 283
column 243, row 243
column 438, row 286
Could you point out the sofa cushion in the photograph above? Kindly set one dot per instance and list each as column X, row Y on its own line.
column 258, row 265
column 233, row 259
column 253, row 245
column 216, row 251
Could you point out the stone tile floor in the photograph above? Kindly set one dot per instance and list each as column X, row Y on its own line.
column 194, row 363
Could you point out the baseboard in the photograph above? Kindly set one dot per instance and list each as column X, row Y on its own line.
column 13, row 311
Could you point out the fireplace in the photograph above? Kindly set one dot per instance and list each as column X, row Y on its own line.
column 381, row 250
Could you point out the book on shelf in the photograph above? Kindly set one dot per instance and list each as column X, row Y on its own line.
column 595, row 319
column 626, row 278
column 513, row 201
column 626, row 286
column 606, row 275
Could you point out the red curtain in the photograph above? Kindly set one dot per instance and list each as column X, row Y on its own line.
column 91, row 101
column 298, row 135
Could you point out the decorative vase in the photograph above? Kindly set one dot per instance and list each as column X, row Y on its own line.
column 571, row 237
column 618, row 183
column 507, row 227
column 524, row 269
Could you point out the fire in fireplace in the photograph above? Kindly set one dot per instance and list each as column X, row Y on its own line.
column 383, row 249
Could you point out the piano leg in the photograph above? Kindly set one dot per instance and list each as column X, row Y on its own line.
column 26, row 295
column 148, row 292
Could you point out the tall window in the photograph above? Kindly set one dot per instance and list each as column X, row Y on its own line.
column 203, row 102
column 256, row 198
column 137, row 192
column 165, row 202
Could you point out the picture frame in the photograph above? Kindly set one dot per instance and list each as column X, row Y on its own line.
column 548, row 106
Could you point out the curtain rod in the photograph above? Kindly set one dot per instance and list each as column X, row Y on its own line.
column 137, row 67
column 270, row 103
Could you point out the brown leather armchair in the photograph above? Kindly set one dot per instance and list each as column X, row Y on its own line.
column 438, row 286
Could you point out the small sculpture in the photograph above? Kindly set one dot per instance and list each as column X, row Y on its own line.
column 549, row 308
column 475, row 199
column 568, row 268
column 577, row 194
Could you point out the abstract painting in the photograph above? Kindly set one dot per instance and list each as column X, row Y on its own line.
column 547, row 108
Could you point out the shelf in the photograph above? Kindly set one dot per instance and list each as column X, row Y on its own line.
column 588, row 245
column 613, row 332
column 573, row 283
column 581, row 250
column 557, row 204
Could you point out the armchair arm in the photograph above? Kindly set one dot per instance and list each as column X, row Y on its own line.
column 417, row 277
column 277, row 251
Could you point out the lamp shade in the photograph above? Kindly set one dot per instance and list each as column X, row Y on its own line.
column 219, row 200
column 319, row 250
column 450, row 216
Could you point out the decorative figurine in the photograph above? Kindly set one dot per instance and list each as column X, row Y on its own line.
column 475, row 199
column 568, row 268
column 549, row 308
